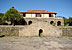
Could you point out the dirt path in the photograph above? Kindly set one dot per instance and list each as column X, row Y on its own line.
column 35, row 43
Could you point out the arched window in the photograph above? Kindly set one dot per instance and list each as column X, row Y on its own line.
column 30, row 22
column 58, row 23
column 40, row 32
column 51, row 22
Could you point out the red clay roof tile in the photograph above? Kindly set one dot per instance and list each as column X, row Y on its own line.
column 37, row 11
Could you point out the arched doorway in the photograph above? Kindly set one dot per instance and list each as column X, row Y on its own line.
column 40, row 32
column 58, row 23
column 51, row 22
column 30, row 22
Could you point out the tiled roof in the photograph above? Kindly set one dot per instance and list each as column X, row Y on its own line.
column 37, row 11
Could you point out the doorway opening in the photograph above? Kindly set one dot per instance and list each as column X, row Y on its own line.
column 40, row 32
column 30, row 22
column 51, row 22
column 58, row 23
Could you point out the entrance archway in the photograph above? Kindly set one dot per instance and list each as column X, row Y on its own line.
column 30, row 22
column 58, row 23
column 51, row 22
column 40, row 32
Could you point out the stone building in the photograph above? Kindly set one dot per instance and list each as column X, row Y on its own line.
column 32, row 16
column 40, row 21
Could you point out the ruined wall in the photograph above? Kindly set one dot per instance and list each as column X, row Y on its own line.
column 10, row 30
column 66, row 30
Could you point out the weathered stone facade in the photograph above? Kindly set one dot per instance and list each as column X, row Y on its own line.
column 10, row 30
column 41, row 20
column 34, row 16
column 66, row 30
column 37, row 22
column 47, row 20
column 34, row 29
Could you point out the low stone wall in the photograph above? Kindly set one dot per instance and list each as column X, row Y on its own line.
column 30, row 30
column 66, row 30
column 10, row 30
column 15, row 30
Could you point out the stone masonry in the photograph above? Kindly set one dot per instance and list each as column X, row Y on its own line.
column 47, row 30
column 48, row 20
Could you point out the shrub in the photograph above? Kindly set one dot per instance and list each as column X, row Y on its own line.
column 41, row 35
column 53, row 23
column 67, row 24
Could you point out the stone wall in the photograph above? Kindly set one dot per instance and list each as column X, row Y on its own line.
column 47, row 30
column 33, row 30
column 66, row 30
column 10, row 30
column 48, row 20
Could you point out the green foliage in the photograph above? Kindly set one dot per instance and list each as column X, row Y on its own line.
column 41, row 35
column 2, row 18
column 70, row 19
column 12, row 14
column 67, row 24
column 1, row 14
column 65, row 20
column 53, row 23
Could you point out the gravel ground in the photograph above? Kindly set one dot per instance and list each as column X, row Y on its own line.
column 35, row 43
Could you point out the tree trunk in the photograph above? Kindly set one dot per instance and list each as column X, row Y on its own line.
column 12, row 22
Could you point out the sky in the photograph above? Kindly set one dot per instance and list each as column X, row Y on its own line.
column 61, row 7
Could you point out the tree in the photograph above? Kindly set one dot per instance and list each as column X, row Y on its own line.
column 2, row 18
column 1, row 14
column 12, row 15
column 67, row 22
column 70, row 21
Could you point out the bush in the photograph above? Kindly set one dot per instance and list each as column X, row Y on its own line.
column 41, row 35
column 53, row 24
column 67, row 24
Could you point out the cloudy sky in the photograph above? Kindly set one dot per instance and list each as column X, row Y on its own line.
column 61, row 7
